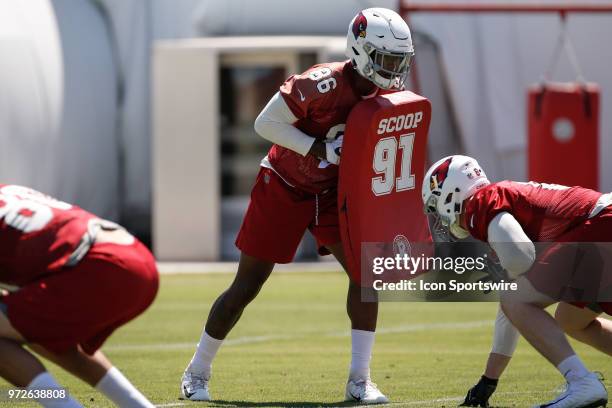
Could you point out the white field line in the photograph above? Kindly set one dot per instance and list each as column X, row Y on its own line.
column 172, row 268
column 394, row 404
column 342, row 333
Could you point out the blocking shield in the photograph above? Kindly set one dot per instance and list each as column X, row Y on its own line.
column 381, row 170
column 564, row 126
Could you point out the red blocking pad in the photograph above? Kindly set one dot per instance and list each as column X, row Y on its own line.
column 564, row 134
column 381, row 171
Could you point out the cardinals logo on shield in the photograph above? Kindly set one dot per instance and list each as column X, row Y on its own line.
column 359, row 26
column 401, row 246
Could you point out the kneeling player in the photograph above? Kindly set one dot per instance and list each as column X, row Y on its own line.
column 510, row 216
column 78, row 279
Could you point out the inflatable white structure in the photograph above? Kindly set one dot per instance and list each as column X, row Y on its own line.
column 59, row 102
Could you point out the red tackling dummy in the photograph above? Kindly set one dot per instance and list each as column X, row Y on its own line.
column 379, row 187
column 563, row 126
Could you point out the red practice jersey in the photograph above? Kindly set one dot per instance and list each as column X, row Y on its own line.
column 38, row 234
column 320, row 98
column 545, row 211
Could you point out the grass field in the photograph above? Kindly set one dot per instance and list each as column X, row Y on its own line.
column 292, row 348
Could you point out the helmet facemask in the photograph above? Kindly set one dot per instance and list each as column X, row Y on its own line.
column 387, row 69
column 447, row 213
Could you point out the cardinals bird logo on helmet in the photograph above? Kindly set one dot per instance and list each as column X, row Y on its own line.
column 439, row 174
column 359, row 26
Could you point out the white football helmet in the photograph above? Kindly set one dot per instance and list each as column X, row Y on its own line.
column 447, row 184
column 380, row 45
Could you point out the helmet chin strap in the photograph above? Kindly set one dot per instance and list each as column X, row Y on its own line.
column 455, row 228
column 373, row 76
column 457, row 231
column 360, row 78
column 372, row 94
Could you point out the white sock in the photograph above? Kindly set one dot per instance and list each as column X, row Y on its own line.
column 44, row 381
column 120, row 390
column 572, row 368
column 207, row 348
column 361, row 345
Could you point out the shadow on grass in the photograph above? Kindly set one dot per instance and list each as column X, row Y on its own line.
column 282, row 404
column 311, row 404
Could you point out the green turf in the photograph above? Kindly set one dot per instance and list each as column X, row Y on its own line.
column 291, row 348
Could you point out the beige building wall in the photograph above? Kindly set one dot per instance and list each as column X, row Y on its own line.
column 186, row 160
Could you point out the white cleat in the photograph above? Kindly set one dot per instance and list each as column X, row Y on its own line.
column 194, row 387
column 587, row 392
column 365, row 392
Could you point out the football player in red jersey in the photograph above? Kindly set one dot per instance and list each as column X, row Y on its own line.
column 511, row 216
column 75, row 279
column 296, row 187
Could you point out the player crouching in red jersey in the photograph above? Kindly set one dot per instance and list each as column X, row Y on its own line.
column 511, row 216
column 296, row 188
column 78, row 278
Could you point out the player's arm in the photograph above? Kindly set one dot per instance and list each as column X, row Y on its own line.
column 513, row 247
column 505, row 338
column 275, row 123
column 516, row 253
